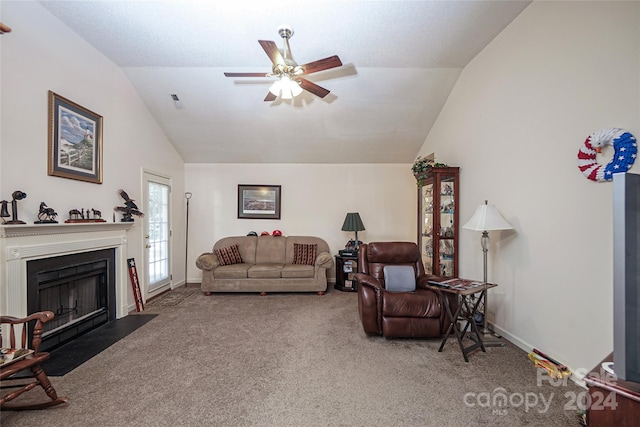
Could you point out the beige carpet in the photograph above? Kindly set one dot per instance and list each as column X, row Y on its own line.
column 294, row 360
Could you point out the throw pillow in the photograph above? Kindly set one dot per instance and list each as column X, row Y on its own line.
column 304, row 254
column 228, row 255
column 399, row 278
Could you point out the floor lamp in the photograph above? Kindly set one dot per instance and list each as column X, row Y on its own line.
column 186, row 239
column 487, row 218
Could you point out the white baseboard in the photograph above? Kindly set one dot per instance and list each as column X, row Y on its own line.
column 576, row 377
column 177, row 284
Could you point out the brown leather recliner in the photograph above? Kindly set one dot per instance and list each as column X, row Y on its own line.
column 413, row 314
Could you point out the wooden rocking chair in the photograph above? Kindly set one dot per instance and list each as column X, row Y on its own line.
column 26, row 358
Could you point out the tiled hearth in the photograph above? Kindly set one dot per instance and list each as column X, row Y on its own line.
column 20, row 244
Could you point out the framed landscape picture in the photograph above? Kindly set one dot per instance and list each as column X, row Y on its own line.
column 75, row 141
column 259, row 201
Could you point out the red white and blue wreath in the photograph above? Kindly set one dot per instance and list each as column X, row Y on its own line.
column 624, row 144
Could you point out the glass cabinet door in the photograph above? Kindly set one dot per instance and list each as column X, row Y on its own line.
column 426, row 246
column 438, row 221
column 447, row 248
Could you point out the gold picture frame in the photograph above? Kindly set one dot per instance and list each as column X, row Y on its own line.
column 75, row 141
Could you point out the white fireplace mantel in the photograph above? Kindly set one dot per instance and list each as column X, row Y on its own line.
column 20, row 244
column 22, row 230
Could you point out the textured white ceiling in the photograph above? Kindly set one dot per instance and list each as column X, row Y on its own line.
column 401, row 60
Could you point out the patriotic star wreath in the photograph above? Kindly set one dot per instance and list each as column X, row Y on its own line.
column 624, row 144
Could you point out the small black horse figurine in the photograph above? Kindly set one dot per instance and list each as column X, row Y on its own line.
column 76, row 214
column 46, row 215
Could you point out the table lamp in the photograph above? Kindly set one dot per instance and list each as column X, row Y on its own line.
column 352, row 222
column 486, row 218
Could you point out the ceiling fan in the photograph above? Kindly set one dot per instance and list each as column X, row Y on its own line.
column 290, row 81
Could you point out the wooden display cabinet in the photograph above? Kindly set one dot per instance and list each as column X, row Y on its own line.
column 438, row 221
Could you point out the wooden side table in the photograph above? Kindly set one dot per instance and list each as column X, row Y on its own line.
column 467, row 308
column 346, row 268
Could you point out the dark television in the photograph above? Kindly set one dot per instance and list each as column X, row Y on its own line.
column 626, row 276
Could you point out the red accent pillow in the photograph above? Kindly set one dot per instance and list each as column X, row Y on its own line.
column 304, row 254
column 228, row 255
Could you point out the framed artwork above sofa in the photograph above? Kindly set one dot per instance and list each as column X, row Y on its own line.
column 259, row 201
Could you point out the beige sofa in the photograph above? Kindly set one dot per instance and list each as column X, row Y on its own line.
column 269, row 264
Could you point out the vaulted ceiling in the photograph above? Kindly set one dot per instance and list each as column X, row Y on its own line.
column 400, row 61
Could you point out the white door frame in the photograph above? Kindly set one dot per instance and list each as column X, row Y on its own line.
column 159, row 178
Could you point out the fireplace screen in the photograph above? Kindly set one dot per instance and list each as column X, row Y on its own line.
column 73, row 299
column 78, row 288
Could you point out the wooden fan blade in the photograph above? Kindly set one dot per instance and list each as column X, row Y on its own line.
column 270, row 97
column 321, row 64
column 313, row 88
column 245, row 74
column 272, row 51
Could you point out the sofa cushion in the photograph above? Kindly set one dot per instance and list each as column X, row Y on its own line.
column 270, row 250
column 297, row 271
column 228, row 255
column 304, row 254
column 233, row 271
column 265, row 271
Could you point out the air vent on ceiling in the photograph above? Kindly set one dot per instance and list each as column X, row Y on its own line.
column 176, row 101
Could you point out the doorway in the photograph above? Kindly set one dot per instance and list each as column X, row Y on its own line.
column 157, row 231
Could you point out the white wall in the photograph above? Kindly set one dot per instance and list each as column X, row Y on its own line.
column 315, row 200
column 42, row 54
column 514, row 123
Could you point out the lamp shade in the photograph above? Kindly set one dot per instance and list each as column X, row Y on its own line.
column 352, row 222
column 485, row 218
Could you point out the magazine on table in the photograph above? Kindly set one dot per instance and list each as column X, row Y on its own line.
column 457, row 283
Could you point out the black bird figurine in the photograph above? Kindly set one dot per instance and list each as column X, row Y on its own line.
column 129, row 208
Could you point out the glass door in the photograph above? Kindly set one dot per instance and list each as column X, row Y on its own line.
column 157, row 237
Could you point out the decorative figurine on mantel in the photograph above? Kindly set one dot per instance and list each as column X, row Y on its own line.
column 4, row 213
column 129, row 208
column 46, row 215
column 80, row 215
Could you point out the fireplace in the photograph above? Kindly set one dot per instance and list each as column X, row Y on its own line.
column 22, row 245
column 78, row 288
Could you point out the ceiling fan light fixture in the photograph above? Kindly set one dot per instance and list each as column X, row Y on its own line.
column 291, row 76
column 286, row 88
column 293, row 87
column 276, row 87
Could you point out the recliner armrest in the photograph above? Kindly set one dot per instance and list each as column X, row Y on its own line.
column 370, row 303
column 369, row 281
column 422, row 282
column 207, row 261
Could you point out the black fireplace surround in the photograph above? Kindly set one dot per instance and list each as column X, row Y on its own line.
column 78, row 288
